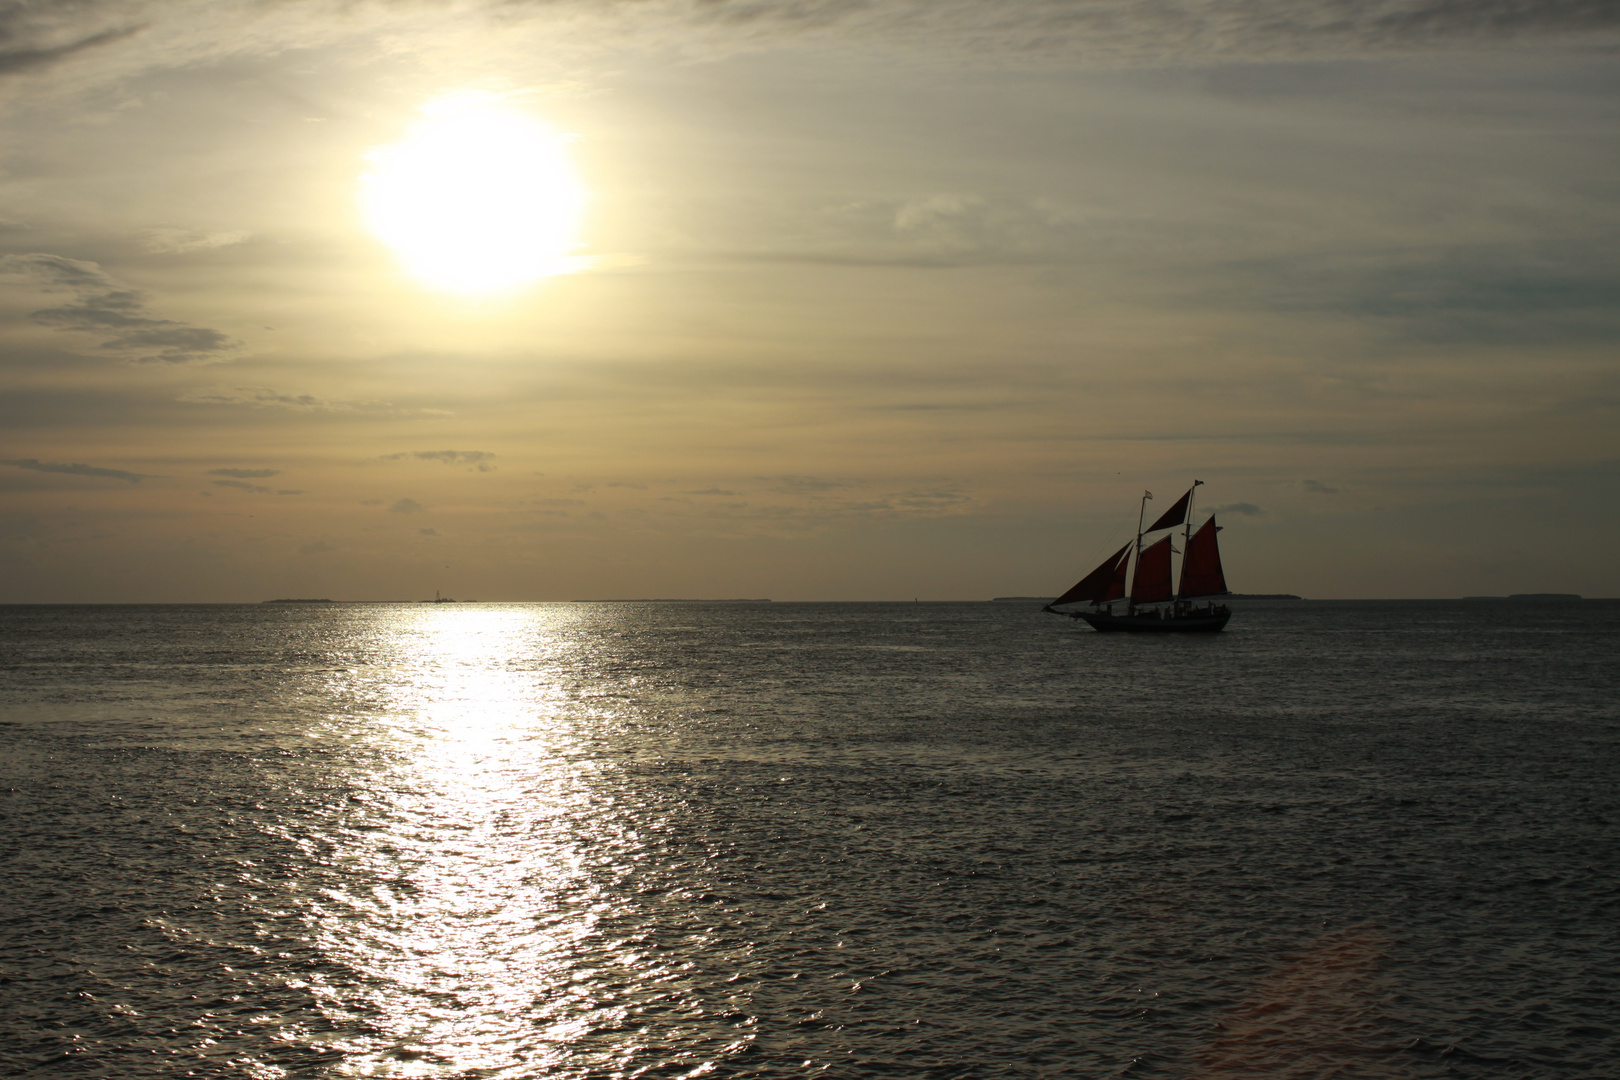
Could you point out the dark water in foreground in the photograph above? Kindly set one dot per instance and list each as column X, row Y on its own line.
column 1347, row 840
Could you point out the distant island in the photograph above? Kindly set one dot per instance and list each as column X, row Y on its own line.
column 675, row 600
column 300, row 600
column 1530, row 596
column 1233, row 596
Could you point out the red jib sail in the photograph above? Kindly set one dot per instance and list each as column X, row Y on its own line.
column 1201, row 570
column 1152, row 574
column 1175, row 515
column 1098, row 585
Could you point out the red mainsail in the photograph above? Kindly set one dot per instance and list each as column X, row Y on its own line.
column 1100, row 583
column 1152, row 574
column 1201, row 570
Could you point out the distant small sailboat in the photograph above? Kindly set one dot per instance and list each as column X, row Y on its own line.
column 1152, row 606
column 437, row 599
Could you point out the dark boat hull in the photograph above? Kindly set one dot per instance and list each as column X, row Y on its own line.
column 1200, row 622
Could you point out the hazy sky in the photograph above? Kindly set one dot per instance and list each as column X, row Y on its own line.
column 868, row 300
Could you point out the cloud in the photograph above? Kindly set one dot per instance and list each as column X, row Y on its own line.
column 181, row 241
column 799, row 485
column 960, row 229
column 946, row 230
column 257, row 489
column 1244, row 508
column 26, row 58
column 263, row 396
column 1566, row 289
column 245, row 474
column 315, row 547
column 474, row 459
column 1151, row 31
column 1316, row 487
column 427, row 532
column 76, row 470
column 90, row 43
column 179, row 344
column 104, row 307
column 266, row 397
column 710, row 491
column 406, row 506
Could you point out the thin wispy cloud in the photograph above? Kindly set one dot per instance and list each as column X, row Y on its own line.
column 267, row 397
column 263, row 397
column 471, row 459
column 119, row 315
column 172, row 241
column 256, row 489
column 96, row 41
column 75, row 469
column 14, row 60
column 799, row 485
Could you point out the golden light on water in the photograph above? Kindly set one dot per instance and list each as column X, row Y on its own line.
column 479, row 197
column 479, row 900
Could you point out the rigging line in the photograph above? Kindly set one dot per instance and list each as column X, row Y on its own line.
column 1094, row 555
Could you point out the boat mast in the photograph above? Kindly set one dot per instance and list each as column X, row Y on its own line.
column 1186, row 544
column 1141, row 516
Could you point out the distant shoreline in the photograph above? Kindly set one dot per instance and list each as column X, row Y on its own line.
column 1531, row 596
column 1227, row 596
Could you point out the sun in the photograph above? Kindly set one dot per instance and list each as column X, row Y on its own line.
column 479, row 197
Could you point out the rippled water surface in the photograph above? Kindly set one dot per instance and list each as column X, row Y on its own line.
column 670, row 840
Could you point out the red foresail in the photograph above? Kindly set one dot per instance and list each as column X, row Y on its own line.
column 1098, row 585
column 1201, row 570
column 1152, row 574
column 1175, row 515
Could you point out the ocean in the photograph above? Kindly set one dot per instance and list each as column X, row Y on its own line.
column 1373, row 839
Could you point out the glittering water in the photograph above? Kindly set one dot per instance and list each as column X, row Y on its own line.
column 661, row 840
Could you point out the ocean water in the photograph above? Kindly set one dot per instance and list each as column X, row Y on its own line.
column 768, row 840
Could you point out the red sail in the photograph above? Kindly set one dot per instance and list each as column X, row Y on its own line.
column 1201, row 570
column 1175, row 515
column 1097, row 585
column 1152, row 574
column 1116, row 588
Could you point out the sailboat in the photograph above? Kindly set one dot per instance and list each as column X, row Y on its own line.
column 1151, row 606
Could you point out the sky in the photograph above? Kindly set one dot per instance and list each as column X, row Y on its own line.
column 804, row 299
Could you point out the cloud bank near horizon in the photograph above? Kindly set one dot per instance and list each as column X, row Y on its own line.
column 104, row 40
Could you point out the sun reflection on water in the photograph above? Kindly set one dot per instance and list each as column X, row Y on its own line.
column 467, row 893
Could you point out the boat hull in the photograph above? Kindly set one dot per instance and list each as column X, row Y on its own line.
column 1193, row 623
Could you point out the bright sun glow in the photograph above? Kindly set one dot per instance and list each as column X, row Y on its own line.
column 479, row 197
